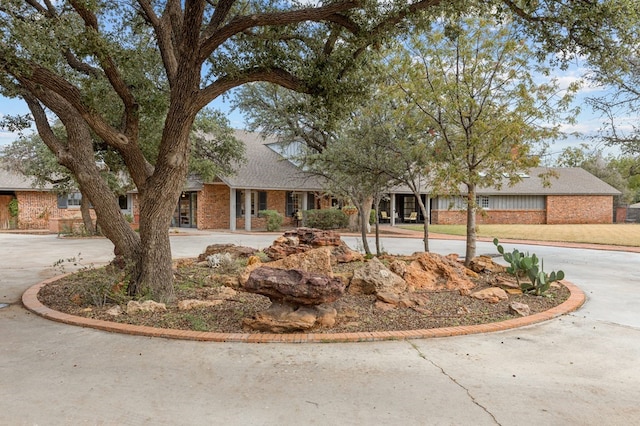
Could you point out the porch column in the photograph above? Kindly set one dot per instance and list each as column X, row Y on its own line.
column 393, row 209
column 304, row 201
column 247, row 210
column 232, row 209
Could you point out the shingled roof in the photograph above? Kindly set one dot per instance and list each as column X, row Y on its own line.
column 12, row 181
column 562, row 181
column 265, row 169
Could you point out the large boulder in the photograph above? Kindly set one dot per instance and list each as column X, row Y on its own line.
column 233, row 250
column 434, row 272
column 294, row 286
column 300, row 240
column 283, row 318
column 373, row 277
column 316, row 260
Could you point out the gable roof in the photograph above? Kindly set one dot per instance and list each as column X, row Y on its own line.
column 563, row 181
column 13, row 181
column 567, row 181
column 267, row 170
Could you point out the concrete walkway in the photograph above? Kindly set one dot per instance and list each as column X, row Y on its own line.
column 580, row 369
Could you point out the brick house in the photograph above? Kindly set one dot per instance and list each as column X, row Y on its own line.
column 572, row 196
column 268, row 181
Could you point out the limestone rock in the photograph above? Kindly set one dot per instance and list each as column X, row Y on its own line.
column 490, row 295
column 521, row 309
column 115, row 311
column 431, row 271
column 343, row 254
column 315, row 260
column 223, row 293
column 189, row 304
column 235, row 251
column 134, row 307
column 485, row 263
column 300, row 240
column 403, row 300
column 253, row 260
column 373, row 277
column 398, row 267
column 283, row 318
column 294, row 286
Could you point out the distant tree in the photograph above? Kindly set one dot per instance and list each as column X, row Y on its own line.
column 472, row 81
column 621, row 172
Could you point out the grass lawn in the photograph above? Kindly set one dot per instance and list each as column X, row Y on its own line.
column 615, row 234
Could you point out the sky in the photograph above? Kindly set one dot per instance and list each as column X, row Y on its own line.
column 587, row 124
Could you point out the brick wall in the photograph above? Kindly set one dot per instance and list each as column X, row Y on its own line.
column 579, row 209
column 458, row 217
column 37, row 208
column 213, row 208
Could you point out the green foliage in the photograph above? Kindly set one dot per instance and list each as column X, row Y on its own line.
column 274, row 219
column 525, row 265
column 13, row 207
column 372, row 217
column 326, row 219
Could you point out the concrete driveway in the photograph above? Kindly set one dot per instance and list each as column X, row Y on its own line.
column 580, row 369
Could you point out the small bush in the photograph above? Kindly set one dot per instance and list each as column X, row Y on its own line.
column 274, row 219
column 326, row 219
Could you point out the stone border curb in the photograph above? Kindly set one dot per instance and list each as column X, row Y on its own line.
column 30, row 300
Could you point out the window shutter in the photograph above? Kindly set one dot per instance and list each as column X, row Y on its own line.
column 62, row 201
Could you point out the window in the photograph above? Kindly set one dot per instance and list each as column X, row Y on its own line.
column 482, row 201
column 258, row 198
column 69, row 200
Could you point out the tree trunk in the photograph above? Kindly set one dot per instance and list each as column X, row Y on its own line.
column 425, row 228
column 362, row 209
column 471, row 224
column 85, row 210
column 377, row 225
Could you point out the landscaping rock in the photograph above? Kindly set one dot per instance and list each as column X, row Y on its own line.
column 134, row 307
column 343, row 254
column 283, row 318
column 115, row 311
column 300, row 240
column 431, row 271
column 188, row 304
column 490, row 295
column 294, row 286
column 373, row 277
column 521, row 309
column 485, row 263
column 235, row 251
column 315, row 260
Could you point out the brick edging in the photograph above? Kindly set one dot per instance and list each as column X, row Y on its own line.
column 30, row 300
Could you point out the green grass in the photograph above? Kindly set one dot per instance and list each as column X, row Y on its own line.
column 613, row 234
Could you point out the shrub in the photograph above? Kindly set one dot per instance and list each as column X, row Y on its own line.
column 274, row 219
column 326, row 219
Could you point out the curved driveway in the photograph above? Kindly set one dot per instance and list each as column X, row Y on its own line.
column 579, row 369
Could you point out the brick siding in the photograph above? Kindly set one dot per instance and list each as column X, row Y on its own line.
column 579, row 209
column 561, row 209
column 36, row 209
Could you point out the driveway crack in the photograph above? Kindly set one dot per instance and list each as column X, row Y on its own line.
column 452, row 379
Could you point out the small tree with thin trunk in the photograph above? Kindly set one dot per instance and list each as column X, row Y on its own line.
column 471, row 80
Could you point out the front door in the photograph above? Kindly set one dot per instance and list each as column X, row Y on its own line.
column 185, row 215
